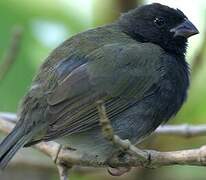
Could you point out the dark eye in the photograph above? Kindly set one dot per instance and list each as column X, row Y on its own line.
column 159, row 21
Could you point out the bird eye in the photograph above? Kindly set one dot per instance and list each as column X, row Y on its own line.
column 159, row 21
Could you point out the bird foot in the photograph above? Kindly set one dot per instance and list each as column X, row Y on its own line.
column 119, row 171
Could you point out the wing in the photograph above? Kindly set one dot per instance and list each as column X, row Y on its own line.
column 120, row 74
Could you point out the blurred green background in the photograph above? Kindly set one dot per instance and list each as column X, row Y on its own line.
column 49, row 22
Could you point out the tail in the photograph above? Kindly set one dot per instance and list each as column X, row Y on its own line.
column 11, row 144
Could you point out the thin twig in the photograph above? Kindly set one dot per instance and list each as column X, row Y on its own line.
column 193, row 157
column 63, row 171
column 182, row 130
column 12, row 52
column 10, row 117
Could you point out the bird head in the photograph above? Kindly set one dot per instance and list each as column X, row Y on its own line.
column 159, row 24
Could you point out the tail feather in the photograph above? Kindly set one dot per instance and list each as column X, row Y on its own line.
column 4, row 160
column 11, row 144
column 10, row 140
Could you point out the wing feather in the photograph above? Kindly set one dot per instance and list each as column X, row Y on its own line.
column 120, row 74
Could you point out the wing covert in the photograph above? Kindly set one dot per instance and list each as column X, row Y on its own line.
column 120, row 74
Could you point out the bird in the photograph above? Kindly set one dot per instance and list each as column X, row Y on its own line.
column 136, row 65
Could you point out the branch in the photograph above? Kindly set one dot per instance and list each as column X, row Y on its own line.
column 184, row 130
column 68, row 157
column 63, row 172
column 31, row 161
column 12, row 52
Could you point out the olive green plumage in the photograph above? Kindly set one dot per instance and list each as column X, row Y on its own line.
column 142, row 78
column 105, row 73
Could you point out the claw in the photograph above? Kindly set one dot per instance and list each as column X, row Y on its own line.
column 119, row 171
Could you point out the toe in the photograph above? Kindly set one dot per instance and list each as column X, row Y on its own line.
column 118, row 171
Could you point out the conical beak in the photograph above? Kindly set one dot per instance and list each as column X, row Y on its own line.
column 185, row 29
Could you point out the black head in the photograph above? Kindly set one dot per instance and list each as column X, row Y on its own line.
column 156, row 23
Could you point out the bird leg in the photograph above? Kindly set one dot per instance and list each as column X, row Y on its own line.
column 124, row 145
